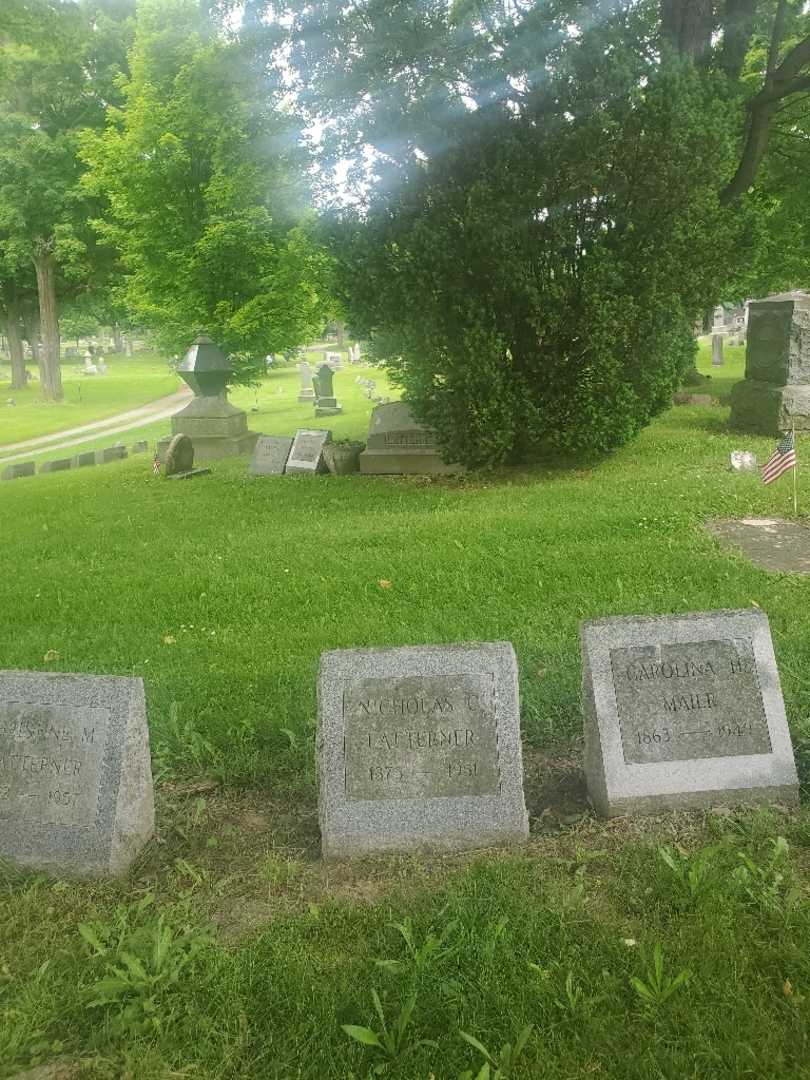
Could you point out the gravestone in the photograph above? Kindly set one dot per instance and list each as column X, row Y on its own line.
column 56, row 466
column 18, row 469
column 110, row 453
column 683, row 711
column 398, row 444
column 717, row 350
column 81, row 461
column 270, row 455
column 778, row 546
column 419, row 747
column 307, row 390
column 139, row 447
column 75, row 776
column 775, row 393
column 306, row 455
column 743, row 461
column 179, row 456
column 334, row 360
column 326, row 404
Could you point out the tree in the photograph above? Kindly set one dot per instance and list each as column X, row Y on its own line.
column 546, row 197
column 59, row 61
column 202, row 182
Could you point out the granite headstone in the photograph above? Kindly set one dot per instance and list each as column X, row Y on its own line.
column 76, row 791
column 419, row 747
column 398, row 444
column 18, row 469
column 56, row 466
column 306, row 455
column 270, row 455
column 683, row 711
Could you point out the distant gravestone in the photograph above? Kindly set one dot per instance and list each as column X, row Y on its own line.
column 179, row 456
column 398, row 444
column 81, row 461
column 56, row 466
column 18, row 469
column 717, row 350
column 139, row 447
column 326, row 404
column 75, row 776
column 110, row 453
column 683, row 711
column 743, row 461
column 419, row 747
column 306, row 455
column 270, row 455
column 307, row 390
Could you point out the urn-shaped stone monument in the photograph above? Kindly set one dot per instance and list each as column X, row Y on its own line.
column 216, row 428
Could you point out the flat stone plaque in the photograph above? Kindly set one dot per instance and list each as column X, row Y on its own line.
column 75, row 777
column 684, row 711
column 270, row 455
column 419, row 747
column 306, row 455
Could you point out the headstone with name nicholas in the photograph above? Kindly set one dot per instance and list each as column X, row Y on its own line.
column 419, row 747
column 398, row 444
column 270, row 455
column 684, row 711
column 306, row 455
column 76, row 793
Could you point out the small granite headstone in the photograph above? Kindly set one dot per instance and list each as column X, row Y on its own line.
column 717, row 350
column 18, row 469
column 139, row 447
column 56, row 466
column 306, row 455
column 75, row 775
column 81, row 461
column 110, row 453
column 419, row 747
column 743, row 461
column 179, row 456
column 270, row 455
column 683, row 711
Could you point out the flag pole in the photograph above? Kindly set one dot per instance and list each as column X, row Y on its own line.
column 795, row 466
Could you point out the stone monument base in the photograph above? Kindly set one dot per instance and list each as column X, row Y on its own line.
column 216, row 428
column 765, row 409
column 417, row 462
column 306, row 395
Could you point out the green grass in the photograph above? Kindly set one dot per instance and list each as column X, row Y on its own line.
column 128, row 384
column 221, row 593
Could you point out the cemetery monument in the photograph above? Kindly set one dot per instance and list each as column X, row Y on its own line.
column 398, row 444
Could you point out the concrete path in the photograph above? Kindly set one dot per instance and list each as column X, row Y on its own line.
column 99, row 429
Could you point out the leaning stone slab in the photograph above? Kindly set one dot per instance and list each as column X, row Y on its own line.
column 270, row 455
column 306, row 455
column 56, row 466
column 419, row 747
column 76, row 793
column 683, row 711
column 18, row 469
column 81, row 461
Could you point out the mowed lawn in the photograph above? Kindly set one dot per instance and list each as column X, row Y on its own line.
column 671, row 947
column 128, row 384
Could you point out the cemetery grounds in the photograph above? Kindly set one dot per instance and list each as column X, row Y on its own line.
column 670, row 947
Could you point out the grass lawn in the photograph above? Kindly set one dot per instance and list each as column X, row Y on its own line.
column 671, row 947
column 128, row 384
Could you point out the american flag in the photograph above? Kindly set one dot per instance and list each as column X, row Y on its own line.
column 782, row 459
column 156, row 466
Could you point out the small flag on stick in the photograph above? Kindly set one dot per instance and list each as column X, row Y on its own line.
column 156, row 466
column 782, row 459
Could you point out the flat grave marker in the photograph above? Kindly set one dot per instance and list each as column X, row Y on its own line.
column 76, row 791
column 270, row 455
column 419, row 747
column 306, row 455
column 684, row 711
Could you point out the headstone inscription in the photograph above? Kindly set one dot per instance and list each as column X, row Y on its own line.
column 398, row 444
column 270, row 455
column 306, row 455
column 419, row 747
column 683, row 711
column 75, row 776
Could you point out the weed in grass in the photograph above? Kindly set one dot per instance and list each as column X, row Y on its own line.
column 500, row 1066
column 433, row 948
column 692, row 875
column 768, row 885
column 138, row 961
column 658, row 987
column 392, row 1042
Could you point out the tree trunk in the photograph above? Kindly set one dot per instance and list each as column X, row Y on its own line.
column 51, row 375
column 118, row 341
column 19, row 373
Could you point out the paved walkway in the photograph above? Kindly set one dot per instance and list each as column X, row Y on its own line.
column 99, row 429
